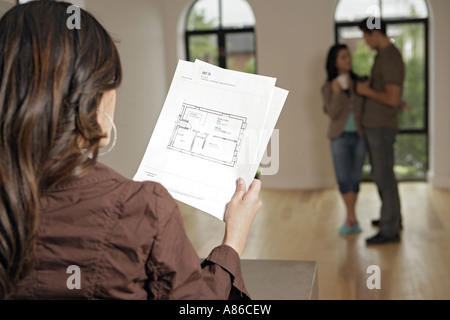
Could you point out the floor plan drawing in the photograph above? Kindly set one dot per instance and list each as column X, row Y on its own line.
column 208, row 134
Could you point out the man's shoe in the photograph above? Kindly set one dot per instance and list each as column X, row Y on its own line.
column 380, row 239
column 377, row 223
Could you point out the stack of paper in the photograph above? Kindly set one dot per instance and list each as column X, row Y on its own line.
column 214, row 128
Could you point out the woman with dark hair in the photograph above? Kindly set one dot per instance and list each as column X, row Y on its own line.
column 60, row 209
column 343, row 107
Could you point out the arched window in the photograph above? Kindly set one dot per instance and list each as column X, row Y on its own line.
column 407, row 25
column 222, row 32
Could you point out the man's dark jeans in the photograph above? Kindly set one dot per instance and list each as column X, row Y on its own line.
column 380, row 142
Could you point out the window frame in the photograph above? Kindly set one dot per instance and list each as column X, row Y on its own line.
column 406, row 131
column 221, row 34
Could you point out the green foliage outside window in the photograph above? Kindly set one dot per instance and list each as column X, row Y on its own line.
column 411, row 155
column 202, row 47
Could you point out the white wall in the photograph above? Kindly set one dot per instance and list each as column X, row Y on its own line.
column 139, row 25
column 439, row 174
column 5, row 5
column 293, row 37
column 292, row 46
column 288, row 51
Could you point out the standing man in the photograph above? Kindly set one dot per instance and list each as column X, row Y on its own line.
column 383, row 97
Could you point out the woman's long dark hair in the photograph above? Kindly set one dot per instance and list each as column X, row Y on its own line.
column 332, row 71
column 52, row 79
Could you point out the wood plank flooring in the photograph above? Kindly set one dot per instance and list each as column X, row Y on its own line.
column 303, row 225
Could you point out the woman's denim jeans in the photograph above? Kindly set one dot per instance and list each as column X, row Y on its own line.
column 349, row 153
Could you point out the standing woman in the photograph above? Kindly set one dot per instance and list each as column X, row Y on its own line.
column 343, row 107
column 60, row 209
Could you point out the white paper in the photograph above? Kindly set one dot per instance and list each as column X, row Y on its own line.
column 214, row 127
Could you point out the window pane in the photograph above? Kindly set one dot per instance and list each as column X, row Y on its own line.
column 410, row 158
column 237, row 14
column 410, row 39
column 204, row 47
column 362, row 55
column 410, row 149
column 240, row 51
column 355, row 10
column 204, row 15
column 404, row 9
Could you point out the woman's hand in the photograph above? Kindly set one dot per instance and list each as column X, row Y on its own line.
column 240, row 213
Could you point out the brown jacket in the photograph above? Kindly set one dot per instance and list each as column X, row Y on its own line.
column 338, row 106
column 129, row 242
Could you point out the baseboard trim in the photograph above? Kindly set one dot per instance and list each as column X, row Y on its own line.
column 440, row 182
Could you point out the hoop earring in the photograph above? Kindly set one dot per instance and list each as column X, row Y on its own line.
column 114, row 129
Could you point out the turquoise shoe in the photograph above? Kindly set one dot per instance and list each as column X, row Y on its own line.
column 345, row 229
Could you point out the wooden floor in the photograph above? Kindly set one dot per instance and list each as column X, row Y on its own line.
column 303, row 225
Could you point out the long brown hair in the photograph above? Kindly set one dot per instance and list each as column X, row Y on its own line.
column 52, row 79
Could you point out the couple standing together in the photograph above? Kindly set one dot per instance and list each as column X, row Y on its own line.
column 363, row 116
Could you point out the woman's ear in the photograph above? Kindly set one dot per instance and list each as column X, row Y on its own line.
column 108, row 102
column 105, row 114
